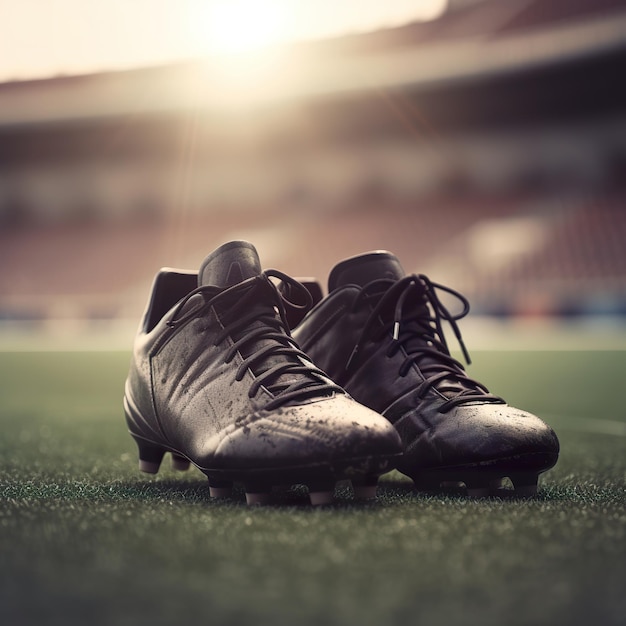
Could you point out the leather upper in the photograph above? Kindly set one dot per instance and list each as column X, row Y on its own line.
column 184, row 394
column 434, row 435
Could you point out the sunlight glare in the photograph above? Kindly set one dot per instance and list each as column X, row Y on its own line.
column 236, row 26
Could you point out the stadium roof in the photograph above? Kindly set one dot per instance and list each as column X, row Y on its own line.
column 479, row 41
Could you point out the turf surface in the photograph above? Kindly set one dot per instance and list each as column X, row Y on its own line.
column 86, row 538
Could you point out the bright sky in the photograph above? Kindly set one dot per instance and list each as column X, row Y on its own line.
column 41, row 38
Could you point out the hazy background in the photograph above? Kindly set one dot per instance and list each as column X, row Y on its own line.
column 484, row 142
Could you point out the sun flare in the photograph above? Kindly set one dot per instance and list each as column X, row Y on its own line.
column 236, row 26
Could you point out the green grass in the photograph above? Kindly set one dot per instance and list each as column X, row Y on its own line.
column 86, row 538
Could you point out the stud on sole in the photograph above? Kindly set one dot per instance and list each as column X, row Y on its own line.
column 365, row 488
column 150, row 456
column 526, row 485
column 149, row 467
column 180, row 463
column 219, row 488
column 220, row 492
column 258, row 499
column 320, row 498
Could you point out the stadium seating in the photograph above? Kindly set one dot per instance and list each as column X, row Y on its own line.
column 510, row 255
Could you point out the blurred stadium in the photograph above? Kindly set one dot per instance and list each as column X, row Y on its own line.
column 486, row 148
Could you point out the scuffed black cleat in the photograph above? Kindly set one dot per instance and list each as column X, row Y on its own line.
column 216, row 379
column 379, row 335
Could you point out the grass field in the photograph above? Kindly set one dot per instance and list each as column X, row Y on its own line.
column 86, row 539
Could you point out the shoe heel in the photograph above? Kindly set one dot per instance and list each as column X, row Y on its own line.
column 150, row 456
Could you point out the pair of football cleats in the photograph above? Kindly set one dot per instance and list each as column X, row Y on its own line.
column 256, row 378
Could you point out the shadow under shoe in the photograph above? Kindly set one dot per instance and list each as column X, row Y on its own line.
column 217, row 380
column 379, row 334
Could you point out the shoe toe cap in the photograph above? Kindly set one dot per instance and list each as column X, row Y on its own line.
column 325, row 431
column 482, row 433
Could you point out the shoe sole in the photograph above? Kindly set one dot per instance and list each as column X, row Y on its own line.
column 320, row 478
column 486, row 479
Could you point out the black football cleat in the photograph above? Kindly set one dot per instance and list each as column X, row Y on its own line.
column 217, row 380
column 379, row 335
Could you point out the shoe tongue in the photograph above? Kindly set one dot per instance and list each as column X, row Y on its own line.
column 365, row 268
column 230, row 264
